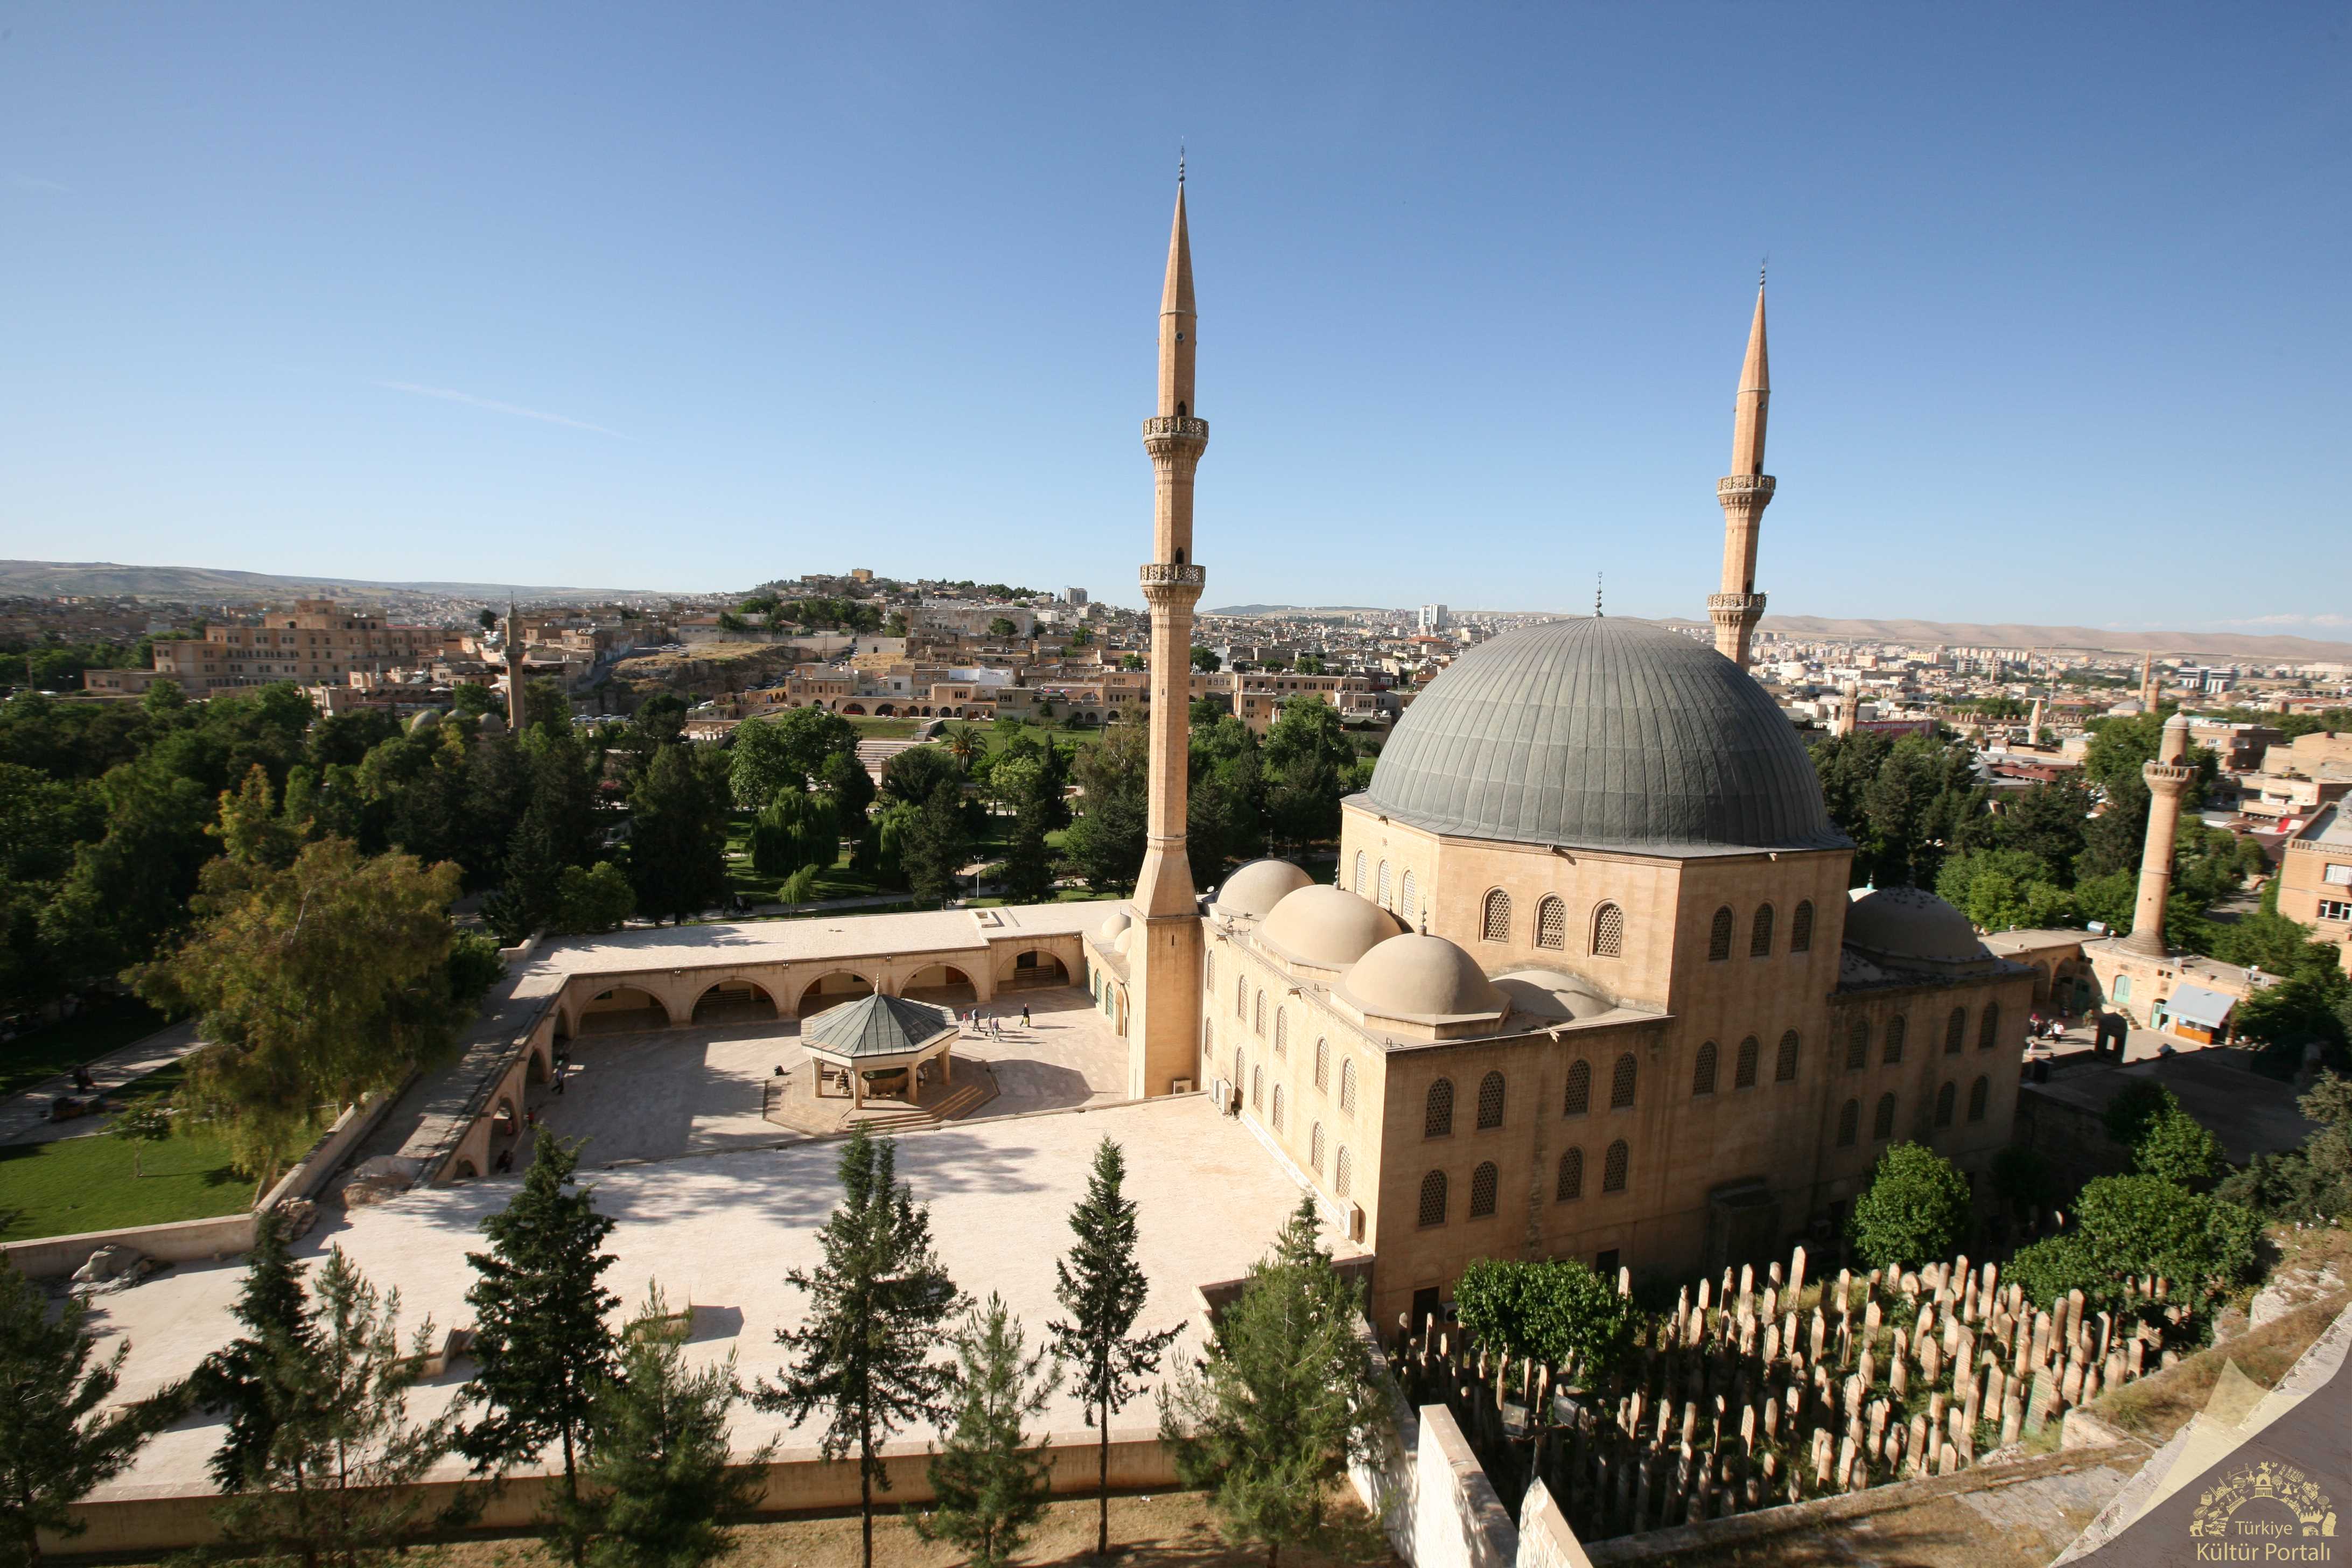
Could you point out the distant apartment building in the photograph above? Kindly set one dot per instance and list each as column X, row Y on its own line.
column 317, row 643
column 1433, row 618
column 1075, row 597
column 2315, row 879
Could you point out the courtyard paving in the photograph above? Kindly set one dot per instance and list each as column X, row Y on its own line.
column 664, row 1093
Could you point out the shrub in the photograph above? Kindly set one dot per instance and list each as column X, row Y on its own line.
column 1558, row 1311
column 1916, row 1209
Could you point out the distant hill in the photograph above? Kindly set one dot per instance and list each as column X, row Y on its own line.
column 200, row 585
column 1973, row 634
column 1294, row 610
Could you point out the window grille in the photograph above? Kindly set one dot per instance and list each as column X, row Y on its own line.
column 1323, row 1065
column 1356, row 886
column 1571, row 1177
column 1989, row 1030
column 1801, row 928
column 1551, row 923
column 1719, row 936
column 1578, row 1099
column 1257, row 1019
column 1944, row 1099
column 1432, row 1199
column 1702, row 1070
column 1743, row 1076
column 1483, row 1182
column 1490, row 1101
column 1608, row 932
column 1281, row 1032
column 1258, row 1088
column 1857, row 1047
column 1315, row 1150
column 1882, row 1126
column 1384, row 884
column 1956, row 1031
column 1348, row 1089
column 1241, row 997
column 1498, row 916
column 1849, row 1123
column 1614, row 1167
column 1620, row 1084
column 1897, row 1027
column 1785, row 1069
column 1759, row 935
column 1977, row 1092
column 1278, row 1108
column 1406, row 904
column 1437, row 1111
column 1343, row 1173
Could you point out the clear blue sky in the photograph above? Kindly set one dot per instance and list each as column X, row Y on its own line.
column 689, row 296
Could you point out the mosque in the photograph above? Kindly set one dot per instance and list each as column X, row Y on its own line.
column 1590, row 981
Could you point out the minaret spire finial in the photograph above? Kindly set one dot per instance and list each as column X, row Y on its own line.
column 1179, row 162
column 1596, row 595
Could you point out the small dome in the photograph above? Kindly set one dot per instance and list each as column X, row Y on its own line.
column 1123, row 941
column 1549, row 993
column 1256, row 887
column 1901, row 924
column 1328, row 928
column 425, row 720
column 1423, row 979
column 1110, row 930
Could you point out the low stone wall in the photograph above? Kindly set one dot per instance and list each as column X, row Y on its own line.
column 147, row 1524
column 180, row 1241
column 1438, row 1509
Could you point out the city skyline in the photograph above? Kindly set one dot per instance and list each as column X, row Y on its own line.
column 1472, row 337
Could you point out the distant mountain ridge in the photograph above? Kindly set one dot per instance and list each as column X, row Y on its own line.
column 198, row 585
column 1977, row 634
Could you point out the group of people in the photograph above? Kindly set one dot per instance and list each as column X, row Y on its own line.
column 987, row 1024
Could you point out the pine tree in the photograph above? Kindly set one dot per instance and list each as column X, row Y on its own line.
column 1284, row 1401
column 657, row 1471
column 54, row 1447
column 337, row 1482
column 989, row 1480
column 863, row 1354
column 540, row 1334
column 1103, row 1288
column 242, row 1379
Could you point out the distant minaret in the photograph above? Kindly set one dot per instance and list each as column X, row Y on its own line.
column 514, row 668
column 1166, row 978
column 2168, row 780
column 2148, row 683
column 1744, row 494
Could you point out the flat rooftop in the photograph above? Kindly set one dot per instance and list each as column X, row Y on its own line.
column 718, row 1232
column 2248, row 1113
column 847, row 935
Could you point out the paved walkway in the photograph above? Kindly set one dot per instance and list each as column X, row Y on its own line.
column 23, row 1118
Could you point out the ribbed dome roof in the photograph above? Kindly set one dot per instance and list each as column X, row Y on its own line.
column 1254, row 890
column 1327, row 926
column 1603, row 733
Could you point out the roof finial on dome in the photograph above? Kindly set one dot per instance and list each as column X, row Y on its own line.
column 1424, row 917
column 1596, row 595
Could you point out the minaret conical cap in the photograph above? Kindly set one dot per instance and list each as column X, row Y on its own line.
column 1177, row 295
column 1756, row 375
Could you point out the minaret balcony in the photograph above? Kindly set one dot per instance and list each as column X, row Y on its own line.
column 1175, row 425
column 1172, row 574
column 1744, row 487
column 2166, row 777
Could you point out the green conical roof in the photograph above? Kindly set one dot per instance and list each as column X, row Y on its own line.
column 876, row 1025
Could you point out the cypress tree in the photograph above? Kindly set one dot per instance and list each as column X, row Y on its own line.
column 1103, row 1288
column 540, row 1334
column 990, row 1482
column 863, row 1354
column 242, row 1380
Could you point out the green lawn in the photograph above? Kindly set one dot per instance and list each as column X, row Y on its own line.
column 870, row 729
column 85, row 1184
column 106, row 1026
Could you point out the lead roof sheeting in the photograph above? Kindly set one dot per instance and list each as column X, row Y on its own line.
column 2195, row 1004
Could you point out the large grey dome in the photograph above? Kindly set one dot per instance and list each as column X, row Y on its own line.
column 1603, row 733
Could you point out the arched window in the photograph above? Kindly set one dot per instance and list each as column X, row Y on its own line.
column 1348, row 1089
column 1977, row 1092
column 1719, row 936
column 1323, row 1065
column 1857, row 1047
column 2123, row 987
column 1208, row 1041
column 1257, row 1020
column 1743, row 1074
column 1956, row 1031
column 1343, row 1172
column 1356, row 886
column 1620, row 1083
column 1571, row 1177
column 1384, row 884
column 1849, row 1123
column 1241, row 997
column 1490, row 1101
column 1882, row 1126
column 1209, row 975
column 1578, row 1099
column 1801, row 928
column 1241, row 1070
column 1278, row 1108
column 1315, row 1150
column 1437, row 1111
column 1608, row 931
column 1759, row 933
column 1552, row 922
column 1432, row 1199
column 1614, row 1167
column 1897, row 1028
column 1483, row 1182
column 1405, row 899
column 1947, row 1098
column 1258, row 1088
column 1784, row 1071
column 1702, row 1070
column 1989, row 1028
column 1281, row 1031
column 1496, row 924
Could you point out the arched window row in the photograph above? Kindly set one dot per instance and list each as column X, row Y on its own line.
column 1947, row 1103
column 1897, row 1028
column 1490, row 1101
column 1432, row 1199
column 1743, row 1071
column 1408, row 902
column 1989, row 1030
column 1801, row 928
column 1882, row 1126
column 1616, row 1167
column 1578, row 1099
column 1759, row 933
column 1552, row 922
column 1496, row 923
column 1702, row 1070
column 1977, row 1092
column 1571, row 1177
column 1483, row 1183
column 1281, row 1032
column 1956, row 1031
column 1437, row 1110
column 1323, row 1065
column 1719, row 936
column 1278, row 1108
column 1346, row 1089
column 1620, row 1083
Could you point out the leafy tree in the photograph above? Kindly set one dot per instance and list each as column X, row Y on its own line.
column 2147, row 1225
column 1307, row 763
column 2050, row 1268
column 862, row 1354
column 1132, row 661
column 1206, row 660
column 935, row 845
column 540, row 1341
column 1105, row 844
column 337, row 1481
column 2134, row 1108
column 678, row 840
column 763, row 762
column 471, row 699
column 850, row 785
column 2177, row 1147
column 318, row 983
column 1284, row 1401
column 989, row 1481
column 58, row 1441
column 1103, row 1288
column 2001, row 890
column 1000, row 627
column 1915, row 1210
column 2314, row 1181
column 1558, row 1311
column 659, row 1476
column 2021, row 1179
column 145, row 1120
column 915, row 775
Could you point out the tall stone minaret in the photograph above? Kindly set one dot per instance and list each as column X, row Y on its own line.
column 1165, row 977
column 2168, row 780
column 514, row 668
column 1744, row 494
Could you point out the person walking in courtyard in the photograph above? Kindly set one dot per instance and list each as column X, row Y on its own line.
column 1024, row 1015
